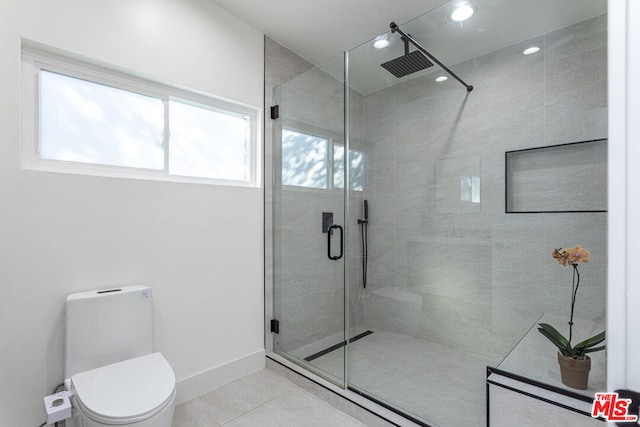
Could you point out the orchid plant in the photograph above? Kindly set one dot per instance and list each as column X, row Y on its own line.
column 573, row 257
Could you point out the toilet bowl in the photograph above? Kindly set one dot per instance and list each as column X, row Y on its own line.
column 114, row 378
column 138, row 391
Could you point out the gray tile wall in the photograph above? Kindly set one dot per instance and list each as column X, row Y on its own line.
column 483, row 276
column 456, row 272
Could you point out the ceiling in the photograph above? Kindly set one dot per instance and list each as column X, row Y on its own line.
column 321, row 29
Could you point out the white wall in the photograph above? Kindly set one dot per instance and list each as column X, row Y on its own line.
column 198, row 246
column 633, row 196
column 623, row 363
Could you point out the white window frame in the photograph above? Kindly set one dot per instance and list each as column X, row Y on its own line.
column 36, row 58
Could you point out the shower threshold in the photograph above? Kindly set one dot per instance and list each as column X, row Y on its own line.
column 390, row 407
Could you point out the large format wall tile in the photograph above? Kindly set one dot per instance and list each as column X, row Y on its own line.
column 578, row 38
column 485, row 276
column 576, row 97
column 421, row 139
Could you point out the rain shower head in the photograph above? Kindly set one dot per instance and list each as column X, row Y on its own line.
column 416, row 61
column 408, row 63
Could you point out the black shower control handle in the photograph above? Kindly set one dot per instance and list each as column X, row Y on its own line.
column 337, row 257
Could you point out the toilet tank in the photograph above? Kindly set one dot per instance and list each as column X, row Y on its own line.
column 107, row 326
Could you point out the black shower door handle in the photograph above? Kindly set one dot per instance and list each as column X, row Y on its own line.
column 330, row 232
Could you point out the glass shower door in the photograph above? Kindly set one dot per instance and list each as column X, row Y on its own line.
column 308, row 220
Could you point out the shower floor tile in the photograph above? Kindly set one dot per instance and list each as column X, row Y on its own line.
column 439, row 384
column 260, row 399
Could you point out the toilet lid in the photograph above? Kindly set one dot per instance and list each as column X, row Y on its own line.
column 133, row 389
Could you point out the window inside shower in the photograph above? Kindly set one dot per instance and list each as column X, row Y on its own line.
column 306, row 162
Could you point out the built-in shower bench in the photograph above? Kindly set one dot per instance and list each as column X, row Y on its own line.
column 525, row 388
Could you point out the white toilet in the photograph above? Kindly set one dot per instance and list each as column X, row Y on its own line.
column 109, row 365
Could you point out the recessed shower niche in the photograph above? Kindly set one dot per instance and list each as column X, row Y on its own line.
column 568, row 177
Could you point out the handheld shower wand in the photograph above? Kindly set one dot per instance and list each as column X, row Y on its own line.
column 366, row 210
column 365, row 241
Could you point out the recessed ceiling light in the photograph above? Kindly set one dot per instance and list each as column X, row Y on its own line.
column 462, row 13
column 442, row 79
column 381, row 42
column 531, row 50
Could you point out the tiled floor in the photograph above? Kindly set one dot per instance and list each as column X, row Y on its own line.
column 262, row 399
column 438, row 384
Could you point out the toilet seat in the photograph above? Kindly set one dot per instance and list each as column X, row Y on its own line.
column 125, row 392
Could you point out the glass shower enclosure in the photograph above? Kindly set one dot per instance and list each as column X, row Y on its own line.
column 413, row 220
column 309, row 219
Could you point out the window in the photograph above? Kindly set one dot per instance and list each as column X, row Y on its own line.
column 80, row 118
column 86, row 122
column 305, row 162
column 208, row 143
column 356, row 158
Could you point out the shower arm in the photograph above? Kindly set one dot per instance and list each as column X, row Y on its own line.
column 394, row 28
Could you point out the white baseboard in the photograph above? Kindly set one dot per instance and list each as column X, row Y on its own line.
column 202, row 383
